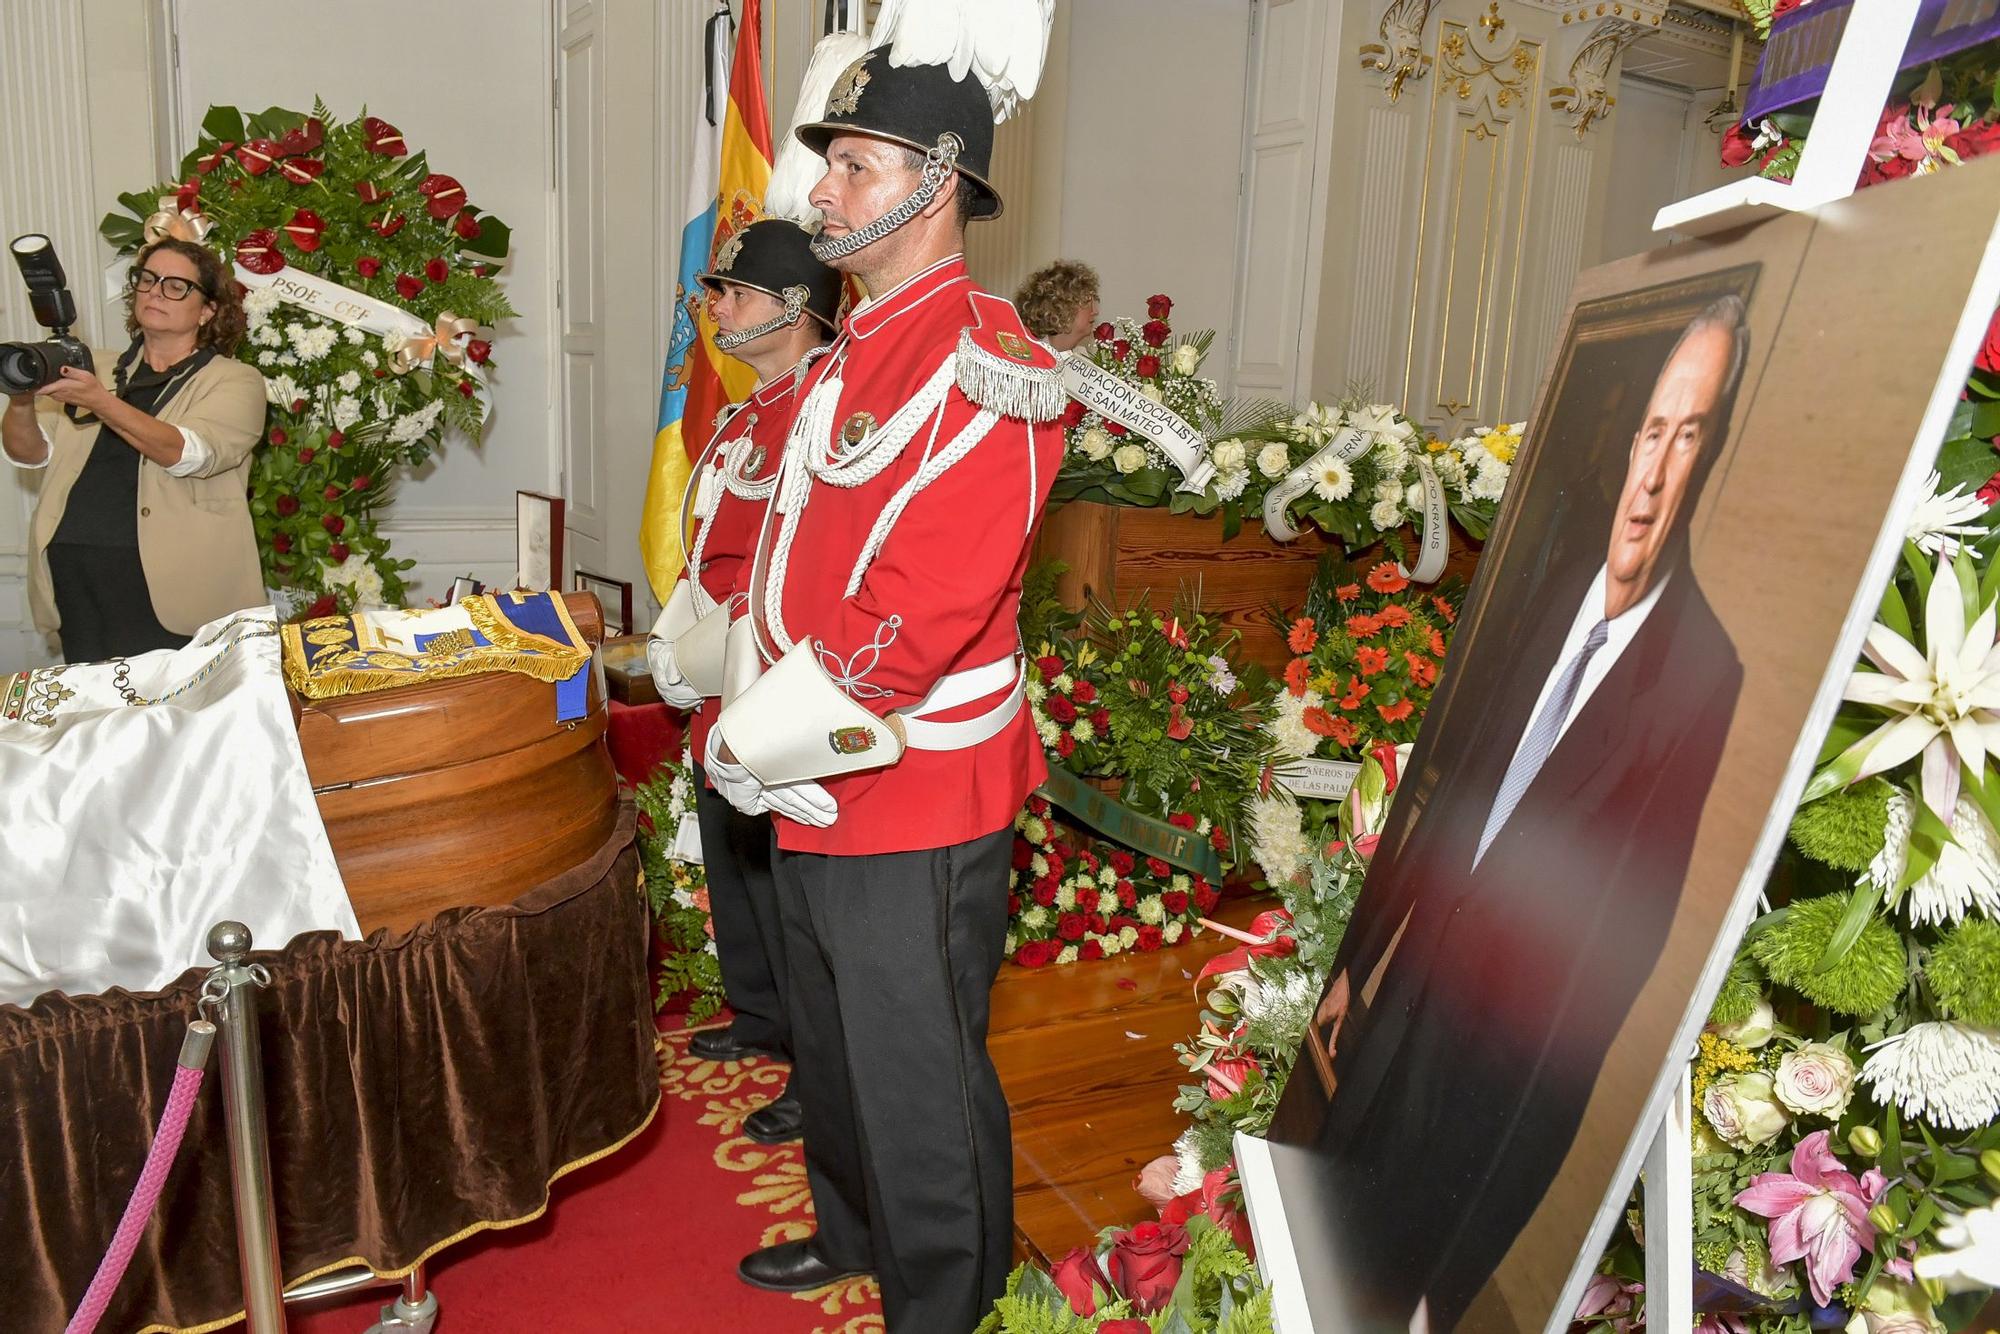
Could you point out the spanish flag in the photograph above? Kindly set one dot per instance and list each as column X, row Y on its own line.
column 732, row 165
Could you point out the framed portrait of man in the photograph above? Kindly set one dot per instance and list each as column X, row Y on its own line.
column 1692, row 544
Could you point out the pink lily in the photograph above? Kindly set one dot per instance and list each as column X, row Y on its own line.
column 1721, row 1322
column 1818, row 1213
column 1610, row 1299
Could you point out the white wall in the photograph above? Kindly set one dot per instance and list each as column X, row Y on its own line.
column 471, row 87
column 1661, row 152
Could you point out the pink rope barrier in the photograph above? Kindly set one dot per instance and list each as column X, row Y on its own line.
column 146, row 1193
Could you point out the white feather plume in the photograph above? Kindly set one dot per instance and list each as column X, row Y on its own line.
column 797, row 168
column 1002, row 42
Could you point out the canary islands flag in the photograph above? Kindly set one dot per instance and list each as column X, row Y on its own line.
column 731, row 167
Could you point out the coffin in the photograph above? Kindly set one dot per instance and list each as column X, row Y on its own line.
column 1117, row 554
column 462, row 792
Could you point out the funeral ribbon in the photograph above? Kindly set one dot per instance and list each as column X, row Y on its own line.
column 1121, row 824
column 446, row 340
column 330, row 299
column 1117, row 400
column 173, row 221
column 1433, row 537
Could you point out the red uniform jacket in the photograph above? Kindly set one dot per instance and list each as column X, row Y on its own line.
column 943, row 593
column 727, row 536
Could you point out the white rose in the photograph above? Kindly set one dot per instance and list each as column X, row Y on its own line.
column 1743, row 1110
column 1817, row 1079
column 1228, row 455
column 1150, row 391
column 1096, row 444
column 1385, row 514
column 1755, row 1030
column 1186, row 360
column 1390, row 490
column 1273, row 460
column 1128, row 458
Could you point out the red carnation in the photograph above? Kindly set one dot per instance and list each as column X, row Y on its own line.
column 1989, row 351
column 1975, row 140
column 1090, row 949
column 1065, row 746
column 466, row 225
column 1181, row 820
column 306, row 454
column 1084, row 693
column 1101, row 721
column 306, row 229
column 387, row 227
column 301, row 170
column 287, row 505
column 1127, row 896
column 323, row 605
column 1159, row 868
column 1024, row 853
column 281, row 542
column 333, row 524
column 1174, row 901
column 1205, row 895
column 477, row 351
column 337, row 552
column 437, row 270
column 1149, row 366
column 1151, row 938
column 333, row 491
column 361, row 483
column 258, row 155
column 368, row 266
column 258, row 251
column 278, row 435
column 1154, row 332
column 382, row 137
column 1990, row 492
column 335, row 440
column 370, row 192
column 409, row 286
column 1158, row 307
column 447, row 196
column 1122, row 862
column 1073, row 415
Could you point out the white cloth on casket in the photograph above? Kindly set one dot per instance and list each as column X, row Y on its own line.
column 142, row 801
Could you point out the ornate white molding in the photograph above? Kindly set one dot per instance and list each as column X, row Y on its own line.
column 1587, row 98
column 1400, row 54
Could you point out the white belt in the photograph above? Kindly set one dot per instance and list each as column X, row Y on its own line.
column 956, row 690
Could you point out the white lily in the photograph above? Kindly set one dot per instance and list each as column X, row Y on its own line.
column 1945, row 697
column 1941, row 520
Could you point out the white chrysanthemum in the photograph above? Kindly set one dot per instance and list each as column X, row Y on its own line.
column 1067, row 954
column 1128, row 936
column 1151, row 911
column 346, row 411
column 1107, row 877
column 1287, row 724
column 1229, row 485
column 1063, row 683
column 266, row 358
column 1385, row 514
column 1940, row 520
column 1945, row 1073
column 1273, row 460
column 349, row 381
column 1035, row 830
column 1277, row 838
column 287, row 359
column 1048, row 731
column 1392, row 457
column 1965, row 876
column 1287, row 1003
column 1181, row 882
column 1220, row 679
column 1035, row 691
column 354, row 336
column 1490, row 480
column 392, row 342
column 1173, row 933
column 1332, row 479
column 1191, row 1171
column 369, row 359
column 1111, row 944
column 281, row 389
column 1035, row 918
column 1065, row 897
column 1038, row 865
column 267, row 335
column 1082, row 730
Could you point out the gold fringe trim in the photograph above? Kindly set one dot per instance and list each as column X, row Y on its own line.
column 520, row 651
column 356, row 1261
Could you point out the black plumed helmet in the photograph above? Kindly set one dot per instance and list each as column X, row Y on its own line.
column 770, row 255
column 916, row 106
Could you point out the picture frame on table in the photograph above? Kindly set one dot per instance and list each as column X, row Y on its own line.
column 609, row 592
column 538, row 541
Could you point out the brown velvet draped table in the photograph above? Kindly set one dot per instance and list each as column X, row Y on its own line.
column 421, row 1088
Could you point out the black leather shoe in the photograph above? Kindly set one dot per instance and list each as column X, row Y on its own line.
column 791, row 1267
column 776, row 1122
column 719, row 1044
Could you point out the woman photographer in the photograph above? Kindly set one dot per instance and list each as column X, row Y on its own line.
column 142, row 533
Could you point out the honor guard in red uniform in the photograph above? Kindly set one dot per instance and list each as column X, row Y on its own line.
column 776, row 306
column 888, row 728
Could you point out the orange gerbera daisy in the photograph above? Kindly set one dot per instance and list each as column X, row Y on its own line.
column 1302, row 636
column 1357, row 690
column 1362, row 626
column 1371, row 660
column 1395, row 615
column 1386, row 578
column 1347, row 592
column 1344, row 732
column 1422, row 670
column 1395, row 713
column 1319, row 721
column 1444, row 609
column 1297, row 672
column 1437, row 644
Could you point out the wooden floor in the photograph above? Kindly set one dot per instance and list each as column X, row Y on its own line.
column 1086, row 1054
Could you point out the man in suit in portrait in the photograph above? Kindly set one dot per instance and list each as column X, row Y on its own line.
column 1506, row 932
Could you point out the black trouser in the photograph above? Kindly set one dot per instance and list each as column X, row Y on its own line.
column 749, row 935
column 105, row 606
column 891, row 959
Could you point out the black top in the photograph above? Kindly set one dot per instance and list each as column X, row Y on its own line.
column 103, row 506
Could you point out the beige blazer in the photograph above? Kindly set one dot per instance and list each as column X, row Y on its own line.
column 195, row 539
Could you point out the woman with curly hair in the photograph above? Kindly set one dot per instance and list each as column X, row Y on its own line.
column 1059, row 303
column 142, row 533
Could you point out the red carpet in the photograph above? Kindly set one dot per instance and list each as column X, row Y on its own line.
column 646, row 1241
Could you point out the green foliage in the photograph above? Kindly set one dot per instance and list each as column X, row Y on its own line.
column 1862, row 982
column 678, row 894
column 1844, row 830
column 1321, row 903
column 1964, row 972
column 1741, row 989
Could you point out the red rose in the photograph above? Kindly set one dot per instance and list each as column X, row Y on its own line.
column 1013, row 904
column 334, row 524
column 1737, row 147
column 306, row 229
column 1121, row 349
column 1078, row 1278
column 447, row 196
column 1122, row 862
column 1086, row 900
column 281, row 542
column 1989, row 351
column 1044, row 893
column 1071, row 927
column 258, row 251
column 1036, row 953
column 1061, row 710
column 1148, row 367
column 465, row 389
column 368, row 266
column 306, row 454
column 1158, row 307
column 1784, row 7
column 298, row 406
column 370, row 192
column 1115, row 430
column 1124, row 1327
column 258, row 155
column 477, row 351
column 287, row 505
column 437, row 270
column 387, row 227
column 1128, row 897
column 361, row 483
column 1154, row 332
column 466, row 225
column 1073, row 415
column 323, row 605
column 277, row 436
column 337, row 552
column 301, row 170
column 335, row 440
column 1099, row 925
column 382, row 137
column 1084, row 693
column 1174, row 901
column 409, row 286
column 1090, row 949
column 1104, row 332
column 1101, row 721
column 1150, row 938
column 333, row 492
column 1145, row 1264
column 1049, row 666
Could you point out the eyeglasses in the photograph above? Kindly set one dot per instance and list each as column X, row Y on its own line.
column 173, row 289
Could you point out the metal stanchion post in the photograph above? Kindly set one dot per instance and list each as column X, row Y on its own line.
column 231, row 991
column 415, row 1312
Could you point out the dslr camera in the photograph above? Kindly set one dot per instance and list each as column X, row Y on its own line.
column 26, row 367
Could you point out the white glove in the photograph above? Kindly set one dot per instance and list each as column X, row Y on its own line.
column 736, row 784
column 806, row 802
column 667, row 678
